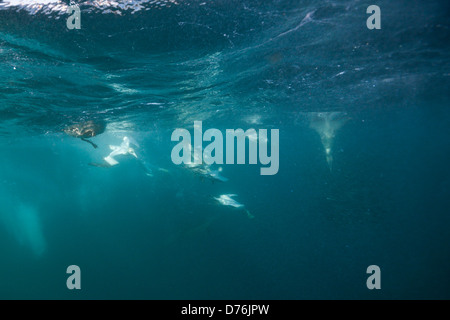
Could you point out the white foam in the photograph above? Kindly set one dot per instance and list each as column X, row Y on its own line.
column 60, row 7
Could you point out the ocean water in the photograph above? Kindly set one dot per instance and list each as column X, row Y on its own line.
column 149, row 229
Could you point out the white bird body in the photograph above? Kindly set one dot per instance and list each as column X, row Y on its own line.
column 226, row 200
column 326, row 125
column 123, row 149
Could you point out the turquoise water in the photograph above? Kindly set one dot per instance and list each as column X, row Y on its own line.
column 149, row 229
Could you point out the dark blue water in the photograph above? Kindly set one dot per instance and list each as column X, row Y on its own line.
column 149, row 229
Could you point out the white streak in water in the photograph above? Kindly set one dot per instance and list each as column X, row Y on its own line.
column 23, row 222
column 29, row 229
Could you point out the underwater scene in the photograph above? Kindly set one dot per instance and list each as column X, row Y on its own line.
column 227, row 149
